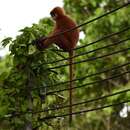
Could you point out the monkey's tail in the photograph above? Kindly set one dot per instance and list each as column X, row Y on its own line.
column 71, row 85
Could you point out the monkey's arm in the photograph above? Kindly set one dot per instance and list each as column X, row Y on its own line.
column 60, row 40
column 46, row 43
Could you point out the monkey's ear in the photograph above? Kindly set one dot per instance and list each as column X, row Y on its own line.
column 39, row 43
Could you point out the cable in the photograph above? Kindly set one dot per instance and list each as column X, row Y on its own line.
column 103, row 38
column 91, row 83
column 89, row 101
column 90, row 59
column 76, row 104
column 69, row 30
column 92, row 20
column 84, row 53
column 84, row 102
column 84, row 111
column 87, row 76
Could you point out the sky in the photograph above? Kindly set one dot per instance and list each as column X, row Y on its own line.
column 16, row 14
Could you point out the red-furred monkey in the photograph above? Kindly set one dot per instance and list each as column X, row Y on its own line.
column 66, row 41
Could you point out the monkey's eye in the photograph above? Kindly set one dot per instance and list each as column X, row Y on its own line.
column 52, row 14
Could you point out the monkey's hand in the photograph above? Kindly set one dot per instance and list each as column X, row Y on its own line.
column 39, row 43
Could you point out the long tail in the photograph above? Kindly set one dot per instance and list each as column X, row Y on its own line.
column 71, row 85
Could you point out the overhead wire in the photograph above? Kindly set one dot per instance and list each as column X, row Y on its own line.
column 69, row 30
column 91, row 59
column 114, row 10
column 87, row 76
column 91, row 83
column 84, row 111
column 91, row 43
column 73, row 105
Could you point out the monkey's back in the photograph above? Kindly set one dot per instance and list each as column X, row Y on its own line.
column 66, row 23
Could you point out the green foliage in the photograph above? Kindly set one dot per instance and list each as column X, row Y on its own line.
column 83, row 11
column 6, row 41
column 25, row 75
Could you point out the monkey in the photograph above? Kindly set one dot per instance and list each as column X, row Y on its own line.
column 66, row 41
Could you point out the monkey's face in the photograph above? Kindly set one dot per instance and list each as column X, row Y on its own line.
column 57, row 12
column 54, row 15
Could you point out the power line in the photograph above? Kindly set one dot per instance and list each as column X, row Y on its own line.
column 69, row 30
column 84, row 111
column 84, row 53
column 91, row 83
column 90, row 59
column 90, row 21
column 103, row 38
column 91, row 43
column 76, row 104
column 91, row 100
column 85, row 102
column 87, row 76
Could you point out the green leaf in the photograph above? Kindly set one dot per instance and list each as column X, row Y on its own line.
column 6, row 41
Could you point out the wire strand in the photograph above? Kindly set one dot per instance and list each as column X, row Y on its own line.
column 85, row 111
column 91, row 83
column 84, row 53
column 91, row 100
column 90, row 59
column 69, row 30
column 73, row 105
column 87, row 76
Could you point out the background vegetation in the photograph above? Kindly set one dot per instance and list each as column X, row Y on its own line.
column 25, row 78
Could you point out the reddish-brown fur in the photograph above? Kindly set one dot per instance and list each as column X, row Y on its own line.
column 66, row 41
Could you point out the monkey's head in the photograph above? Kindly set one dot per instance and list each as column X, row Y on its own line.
column 57, row 12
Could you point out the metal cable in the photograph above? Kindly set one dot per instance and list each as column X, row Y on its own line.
column 90, row 59
column 84, row 111
column 94, row 42
column 87, row 76
column 73, row 105
column 91, row 83
column 69, row 30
